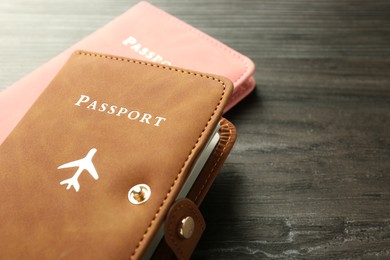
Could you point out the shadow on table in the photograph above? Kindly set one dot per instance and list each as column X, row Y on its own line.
column 250, row 104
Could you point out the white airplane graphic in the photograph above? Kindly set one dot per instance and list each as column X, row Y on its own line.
column 83, row 164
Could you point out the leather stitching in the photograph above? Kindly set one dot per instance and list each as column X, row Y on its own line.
column 197, row 141
column 214, row 167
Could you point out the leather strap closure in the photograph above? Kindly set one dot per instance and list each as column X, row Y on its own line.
column 201, row 186
column 184, row 227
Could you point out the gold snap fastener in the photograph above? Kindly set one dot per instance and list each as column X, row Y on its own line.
column 139, row 194
column 187, row 227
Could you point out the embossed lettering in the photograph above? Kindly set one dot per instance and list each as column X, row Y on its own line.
column 159, row 119
column 82, row 99
column 145, row 118
column 103, row 107
column 92, row 105
column 112, row 110
column 144, row 51
column 133, row 117
column 123, row 112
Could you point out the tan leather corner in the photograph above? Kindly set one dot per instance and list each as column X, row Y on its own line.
column 183, row 245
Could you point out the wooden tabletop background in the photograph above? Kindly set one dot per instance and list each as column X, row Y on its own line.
column 309, row 176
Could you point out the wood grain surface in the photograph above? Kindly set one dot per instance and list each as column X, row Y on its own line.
column 309, row 176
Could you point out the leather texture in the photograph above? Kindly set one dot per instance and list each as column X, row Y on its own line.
column 143, row 32
column 41, row 218
column 228, row 135
column 204, row 181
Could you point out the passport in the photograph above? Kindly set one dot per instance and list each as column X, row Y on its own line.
column 112, row 161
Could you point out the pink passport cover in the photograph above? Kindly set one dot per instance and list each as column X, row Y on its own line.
column 162, row 39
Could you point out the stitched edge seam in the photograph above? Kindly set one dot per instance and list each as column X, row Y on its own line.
column 214, row 166
column 197, row 141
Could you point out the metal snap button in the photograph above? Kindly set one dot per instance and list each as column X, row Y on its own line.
column 139, row 194
column 187, row 227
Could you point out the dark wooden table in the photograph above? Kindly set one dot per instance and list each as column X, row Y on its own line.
column 309, row 176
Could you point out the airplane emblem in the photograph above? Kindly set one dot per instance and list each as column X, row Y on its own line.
column 83, row 164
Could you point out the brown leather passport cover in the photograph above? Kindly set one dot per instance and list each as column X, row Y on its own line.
column 104, row 125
